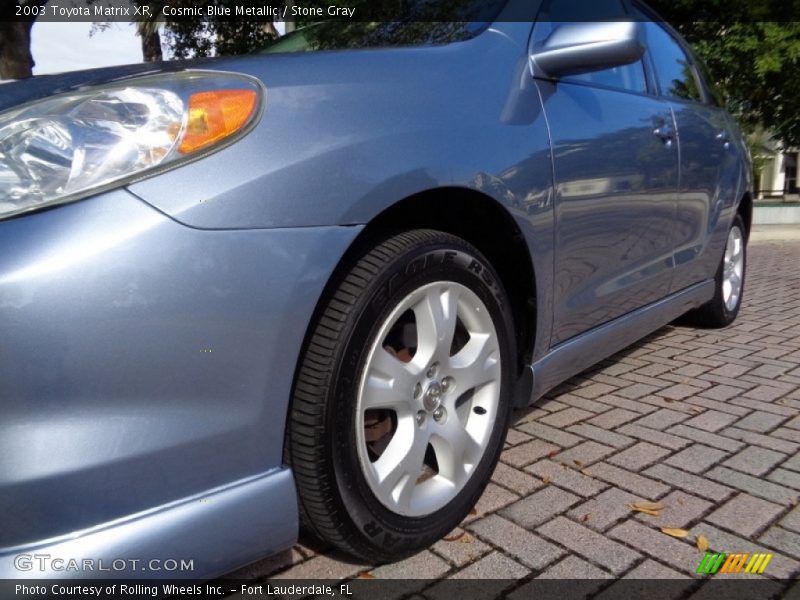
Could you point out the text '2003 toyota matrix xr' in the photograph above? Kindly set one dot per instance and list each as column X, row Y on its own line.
column 309, row 285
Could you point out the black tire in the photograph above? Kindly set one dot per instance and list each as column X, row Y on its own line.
column 336, row 503
column 714, row 314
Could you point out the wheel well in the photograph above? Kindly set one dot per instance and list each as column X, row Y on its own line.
column 746, row 211
column 485, row 224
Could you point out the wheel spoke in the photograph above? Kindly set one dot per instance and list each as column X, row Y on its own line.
column 456, row 450
column 436, row 316
column 389, row 382
column 737, row 250
column 400, row 465
column 736, row 282
column 476, row 363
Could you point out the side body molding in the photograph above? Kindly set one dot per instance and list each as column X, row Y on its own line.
column 216, row 532
column 581, row 352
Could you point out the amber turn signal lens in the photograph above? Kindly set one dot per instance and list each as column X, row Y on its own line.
column 213, row 116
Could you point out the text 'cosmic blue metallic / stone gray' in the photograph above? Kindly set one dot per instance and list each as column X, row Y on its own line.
column 331, row 297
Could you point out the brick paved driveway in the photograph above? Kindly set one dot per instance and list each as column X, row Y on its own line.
column 706, row 422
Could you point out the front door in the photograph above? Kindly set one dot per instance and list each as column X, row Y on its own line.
column 615, row 164
column 616, row 174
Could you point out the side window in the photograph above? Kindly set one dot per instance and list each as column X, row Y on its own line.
column 674, row 71
column 629, row 77
column 713, row 93
column 555, row 12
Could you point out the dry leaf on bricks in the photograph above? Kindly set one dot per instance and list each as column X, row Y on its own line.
column 644, row 511
column 648, row 505
column 454, row 537
column 648, row 508
column 674, row 532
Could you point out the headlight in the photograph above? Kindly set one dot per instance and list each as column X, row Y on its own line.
column 66, row 146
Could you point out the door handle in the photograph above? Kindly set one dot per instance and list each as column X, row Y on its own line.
column 666, row 134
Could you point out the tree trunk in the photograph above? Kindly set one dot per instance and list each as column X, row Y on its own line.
column 151, row 45
column 269, row 29
column 16, row 61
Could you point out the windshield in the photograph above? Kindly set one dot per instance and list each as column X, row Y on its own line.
column 425, row 22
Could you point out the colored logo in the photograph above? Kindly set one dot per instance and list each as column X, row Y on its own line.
column 732, row 563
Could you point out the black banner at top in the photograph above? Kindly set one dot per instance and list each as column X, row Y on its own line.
column 306, row 11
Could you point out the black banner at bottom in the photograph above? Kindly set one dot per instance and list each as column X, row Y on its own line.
column 402, row 589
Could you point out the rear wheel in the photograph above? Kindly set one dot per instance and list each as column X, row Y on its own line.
column 723, row 308
column 402, row 398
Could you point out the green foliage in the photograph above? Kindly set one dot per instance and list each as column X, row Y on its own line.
column 752, row 51
column 762, row 147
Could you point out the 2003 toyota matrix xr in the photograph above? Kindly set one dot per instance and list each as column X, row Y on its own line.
column 309, row 285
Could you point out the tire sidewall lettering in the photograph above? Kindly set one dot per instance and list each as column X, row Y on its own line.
column 425, row 263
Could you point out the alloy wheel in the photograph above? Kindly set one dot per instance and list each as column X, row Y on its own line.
column 428, row 398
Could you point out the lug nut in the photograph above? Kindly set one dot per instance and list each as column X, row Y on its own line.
column 439, row 413
column 420, row 417
column 447, row 384
column 432, row 370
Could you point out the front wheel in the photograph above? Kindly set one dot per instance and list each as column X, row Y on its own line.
column 723, row 308
column 403, row 396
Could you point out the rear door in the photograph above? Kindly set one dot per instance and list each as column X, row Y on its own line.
column 709, row 161
column 616, row 174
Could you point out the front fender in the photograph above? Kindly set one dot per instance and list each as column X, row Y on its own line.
column 346, row 134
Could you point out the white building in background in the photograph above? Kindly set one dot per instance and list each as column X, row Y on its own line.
column 779, row 176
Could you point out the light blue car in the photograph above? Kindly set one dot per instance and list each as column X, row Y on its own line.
column 309, row 285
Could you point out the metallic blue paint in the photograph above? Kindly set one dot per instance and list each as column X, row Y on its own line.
column 150, row 334
column 235, row 524
column 144, row 362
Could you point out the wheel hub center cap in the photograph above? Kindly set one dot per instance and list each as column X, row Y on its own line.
column 433, row 396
